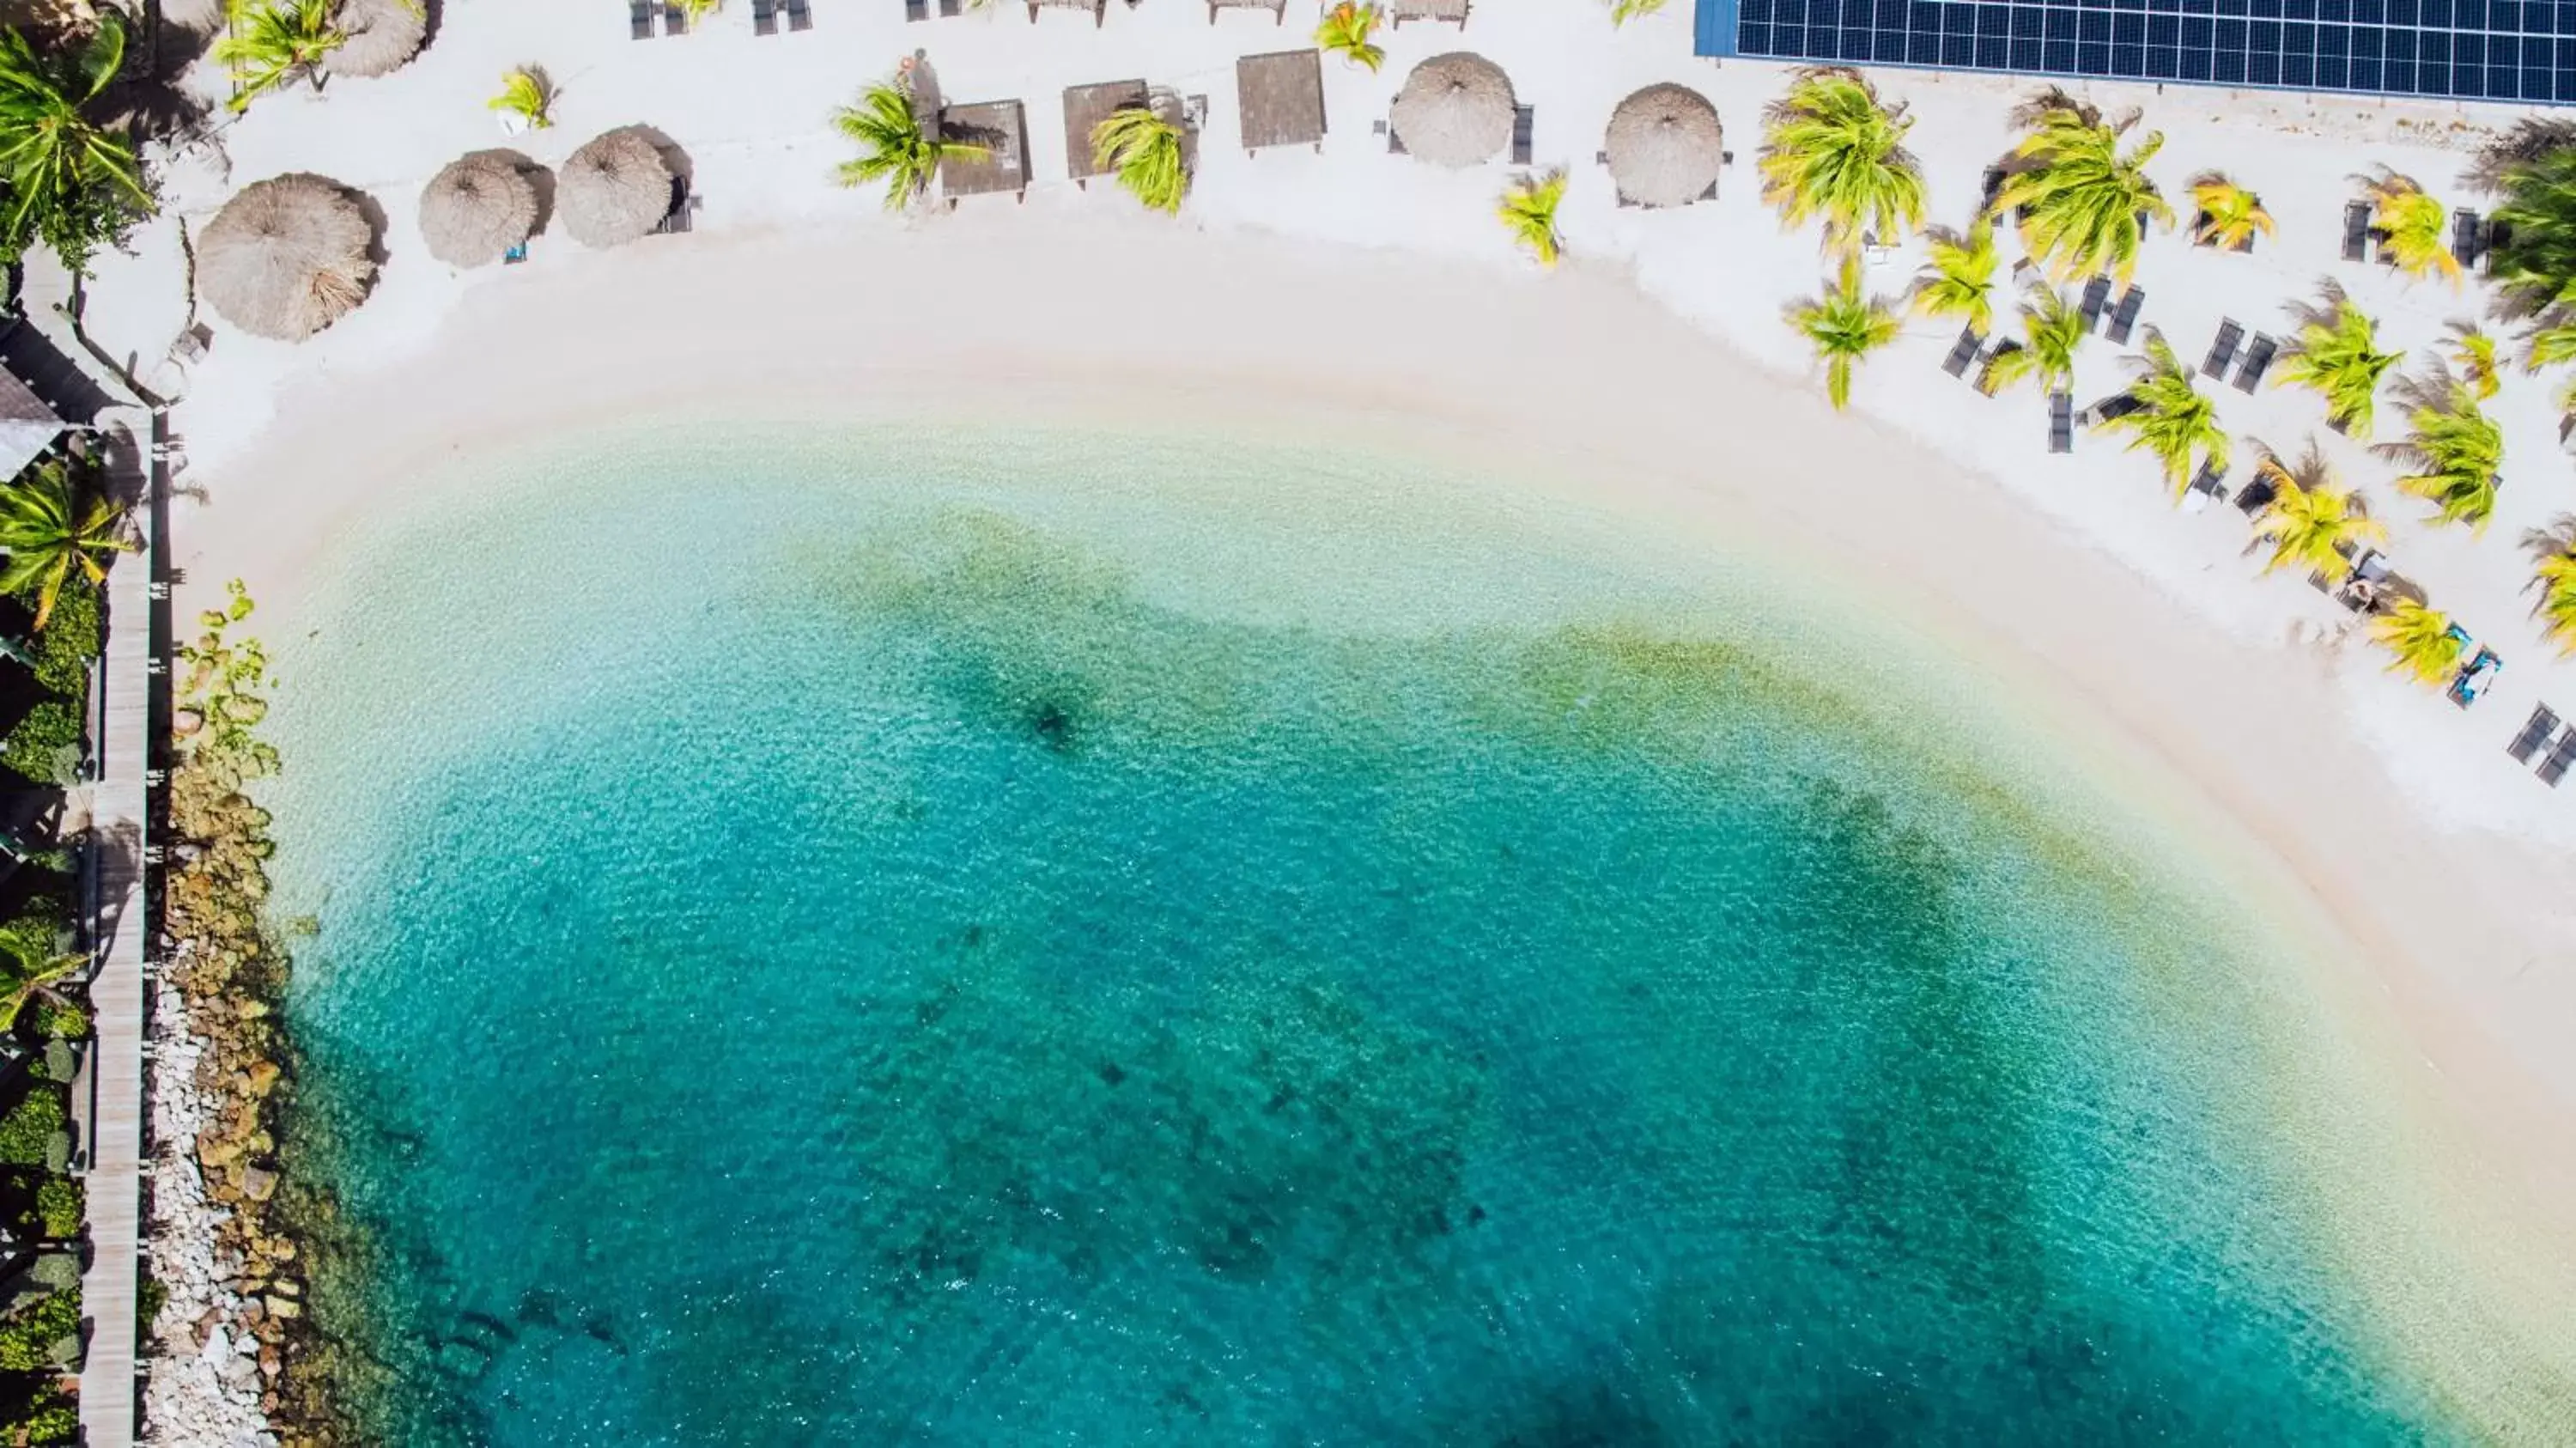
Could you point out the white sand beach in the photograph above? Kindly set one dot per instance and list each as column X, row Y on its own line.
column 1357, row 295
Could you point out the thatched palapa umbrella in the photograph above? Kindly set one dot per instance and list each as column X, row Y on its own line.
column 383, row 34
column 614, row 189
column 1455, row 110
column 478, row 208
column 1664, row 145
column 287, row 257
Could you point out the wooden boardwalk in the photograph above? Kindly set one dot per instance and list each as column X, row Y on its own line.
column 119, row 815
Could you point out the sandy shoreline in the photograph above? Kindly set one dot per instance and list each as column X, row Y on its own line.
column 1574, row 388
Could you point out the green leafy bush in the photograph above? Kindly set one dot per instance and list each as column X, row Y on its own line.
column 53, row 1421
column 61, row 1022
column 27, row 1130
column 45, row 747
column 69, row 640
column 61, row 1205
column 27, row 1336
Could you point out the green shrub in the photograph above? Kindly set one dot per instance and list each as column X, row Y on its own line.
column 27, row 1130
column 71, row 638
column 50, row 1421
column 61, row 1022
column 28, row 1335
column 45, row 747
column 61, row 1205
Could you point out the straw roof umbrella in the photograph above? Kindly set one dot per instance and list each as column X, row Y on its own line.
column 383, row 34
column 479, row 207
column 614, row 189
column 287, row 257
column 1664, row 145
column 1455, row 110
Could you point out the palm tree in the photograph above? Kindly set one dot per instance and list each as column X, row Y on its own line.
column 1145, row 150
column 2051, row 328
column 26, row 974
column 2085, row 204
column 1623, row 11
column 1829, row 149
column 275, row 41
column 2230, row 217
column 1844, row 326
column 895, row 149
column 1528, row 211
column 2454, row 449
column 527, row 94
column 2535, row 265
column 2336, row 353
column 2174, row 420
column 1346, row 31
column 2309, row 522
column 2553, row 577
column 2553, row 340
column 2423, row 644
column 48, row 528
column 2474, row 353
column 1959, row 279
column 50, row 150
column 2409, row 224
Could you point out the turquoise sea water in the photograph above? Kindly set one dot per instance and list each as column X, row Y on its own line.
column 1067, row 939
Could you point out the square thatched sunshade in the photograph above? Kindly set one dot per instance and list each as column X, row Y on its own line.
column 1086, row 106
column 1282, row 99
column 1001, row 128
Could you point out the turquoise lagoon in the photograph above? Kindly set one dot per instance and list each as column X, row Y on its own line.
column 1065, row 938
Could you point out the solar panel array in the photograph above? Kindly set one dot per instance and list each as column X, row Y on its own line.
column 2502, row 50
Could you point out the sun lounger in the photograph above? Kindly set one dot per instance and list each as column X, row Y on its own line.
column 764, row 17
column 800, row 16
column 675, row 21
column 2258, row 360
column 2467, row 236
column 2223, row 350
column 640, row 18
column 2256, row 494
column 1394, row 142
column 916, row 9
column 1962, row 352
column 2125, row 315
column 2117, row 405
column 1524, row 123
column 2211, row 480
column 2553, row 768
column 2474, row 679
column 2061, row 422
column 2096, row 292
column 676, row 220
column 2534, row 729
column 2498, row 235
column 2356, row 230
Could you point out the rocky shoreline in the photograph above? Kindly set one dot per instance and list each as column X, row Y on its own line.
column 232, row 1337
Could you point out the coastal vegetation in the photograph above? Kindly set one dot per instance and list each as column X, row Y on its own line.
column 2336, row 354
column 2085, row 203
column 2175, row 422
column 56, row 523
column 74, row 184
column 1831, row 150
column 893, row 146
column 2453, row 448
column 2474, row 353
column 1958, row 277
column 1528, row 211
column 2534, row 262
column 2229, row 217
column 272, row 43
column 2310, row 522
column 2422, row 642
column 2409, row 224
column 1349, row 30
column 2051, row 329
column 1844, row 326
column 528, row 94
column 2553, row 578
column 1623, row 11
column 1145, row 150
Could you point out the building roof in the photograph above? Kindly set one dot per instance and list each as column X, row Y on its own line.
column 1085, row 107
column 1001, row 127
column 1281, row 98
column 27, row 425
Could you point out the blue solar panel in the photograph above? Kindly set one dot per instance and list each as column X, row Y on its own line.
column 2505, row 50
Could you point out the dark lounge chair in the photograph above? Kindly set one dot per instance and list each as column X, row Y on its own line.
column 2222, row 351
column 2468, row 236
column 640, row 18
column 800, row 16
column 764, row 17
column 2113, row 407
column 1962, row 352
column 1524, row 123
column 916, row 9
column 2499, row 235
column 677, row 219
column 2096, row 292
column 2356, row 230
column 2212, row 478
column 2553, row 768
column 2125, row 316
column 2534, row 729
column 2258, row 360
column 2061, row 422
column 2256, row 494
column 675, row 21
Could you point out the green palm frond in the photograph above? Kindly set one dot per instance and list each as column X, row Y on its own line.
column 2409, row 224
column 2051, row 327
column 1844, row 326
column 275, row 41
column 2336, row 354
column 2310, row 523
column 1830, row 150
column 1145, row 152
column 893, row 147
column 1958, row 279
column 527, row 94
column 2554, row 578
column 1623, row 11
column 51, row 527
column 2420, row 641
column 1348, row 30
column 1528, row 210
column 2551, row 342
column 2455, row 452
column 2535, row 263
column 2085, row 203
column 2174, row 423
column 2474, row 353
column 51, row 151
column 2229, row 215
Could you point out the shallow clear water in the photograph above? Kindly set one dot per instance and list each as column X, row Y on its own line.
column 861, row 941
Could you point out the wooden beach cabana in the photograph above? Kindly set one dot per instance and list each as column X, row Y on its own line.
column 1278, row 8
column 1400, row 11
column 1085, row 107
column 1099, row 9
column 1001, row 128
column 1280, row 99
